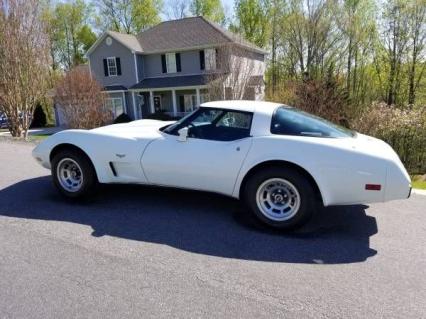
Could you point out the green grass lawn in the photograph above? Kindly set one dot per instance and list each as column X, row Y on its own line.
column 419, row 184
column 39, row 137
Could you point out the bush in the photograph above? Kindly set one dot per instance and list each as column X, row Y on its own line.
column 404, row 130
column 324, row 98
column 122, row 118
column 321, row 97
column 39, row 117
column 80, row 98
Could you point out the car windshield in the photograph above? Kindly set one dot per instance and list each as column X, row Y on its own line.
column 291, row 121
column 171, row 128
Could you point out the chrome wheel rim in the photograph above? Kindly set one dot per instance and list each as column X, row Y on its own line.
column 69, row 175
column 278, row 199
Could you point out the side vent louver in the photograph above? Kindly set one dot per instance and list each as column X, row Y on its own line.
column 111, row 165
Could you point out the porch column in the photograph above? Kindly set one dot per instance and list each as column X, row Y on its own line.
column 151, row 101
column 124, row 102
column 174, row 102
column 198, row 97
column 135, row 111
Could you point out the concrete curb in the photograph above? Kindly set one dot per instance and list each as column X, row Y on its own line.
column 419, row 191
column 37, row 131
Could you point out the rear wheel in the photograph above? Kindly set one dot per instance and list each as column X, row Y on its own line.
column 73, row 174
column 280, row 197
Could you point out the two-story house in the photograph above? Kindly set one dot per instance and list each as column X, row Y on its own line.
column 169, row 67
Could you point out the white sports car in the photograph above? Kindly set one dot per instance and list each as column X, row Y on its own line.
column 281, row 162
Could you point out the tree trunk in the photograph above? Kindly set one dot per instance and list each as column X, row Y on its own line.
column 412, row 77
column 348, row 79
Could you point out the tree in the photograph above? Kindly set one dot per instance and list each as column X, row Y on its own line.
column 395, row 45
column 276, row 13
column 310, row 33
column 80, row 99
column 177, row 9
column 70, row 32
column 129, row 16
column 24, row 61
column 210, row 9
column 252, row 21
column 417, row 36
column 357, row 23
column 39, row 117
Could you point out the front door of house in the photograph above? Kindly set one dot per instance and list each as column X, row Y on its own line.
column 157, row 103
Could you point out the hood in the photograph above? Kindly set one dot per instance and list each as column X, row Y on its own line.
column 135, row 129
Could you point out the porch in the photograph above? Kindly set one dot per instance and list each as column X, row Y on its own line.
column 175, row 102
column 174, row 95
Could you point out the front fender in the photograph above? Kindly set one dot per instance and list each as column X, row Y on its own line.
column 101, row 150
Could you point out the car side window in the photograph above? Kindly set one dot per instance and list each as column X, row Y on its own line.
column 205, row 117
column 214, row 124
column 236, row 120
column 291, row 121
column 220, row 125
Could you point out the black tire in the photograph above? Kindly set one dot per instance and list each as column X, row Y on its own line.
column 90, row 180
column 308, row 202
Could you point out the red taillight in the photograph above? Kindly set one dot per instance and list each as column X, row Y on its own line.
column 373, row 187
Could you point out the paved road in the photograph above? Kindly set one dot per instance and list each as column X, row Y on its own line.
column 138, row 252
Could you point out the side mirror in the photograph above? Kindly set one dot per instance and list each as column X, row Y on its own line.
column 183, row 134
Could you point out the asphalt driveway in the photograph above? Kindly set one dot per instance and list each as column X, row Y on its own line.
column 139, row 252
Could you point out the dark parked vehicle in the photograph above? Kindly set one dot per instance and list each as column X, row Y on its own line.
column 3, row 121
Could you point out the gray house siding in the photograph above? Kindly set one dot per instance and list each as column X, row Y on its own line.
column 190, row 64
column 116, row 49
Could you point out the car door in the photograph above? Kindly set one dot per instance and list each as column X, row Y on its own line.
column 209, row 159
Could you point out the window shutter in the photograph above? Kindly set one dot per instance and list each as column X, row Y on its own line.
column 118, row 63
column 106, row 67
column 178, row 66
column 202, row 60
column 163, row 63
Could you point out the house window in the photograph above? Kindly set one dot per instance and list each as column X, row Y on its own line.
column 115, row 105
column 112, row 66
column 171, row 62
column 210, row 59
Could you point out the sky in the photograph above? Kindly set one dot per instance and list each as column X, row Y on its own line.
column 228, row 5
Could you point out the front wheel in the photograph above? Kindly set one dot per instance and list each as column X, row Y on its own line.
column 280, row 197
column 73, row 174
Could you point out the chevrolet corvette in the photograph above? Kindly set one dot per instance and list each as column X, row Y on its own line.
column 281, row 162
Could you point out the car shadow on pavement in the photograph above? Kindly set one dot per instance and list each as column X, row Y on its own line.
column 197, row 222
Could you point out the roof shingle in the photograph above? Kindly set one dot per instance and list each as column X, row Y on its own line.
column 187, row 33
column 182, row 34
column 128, row 40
